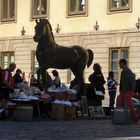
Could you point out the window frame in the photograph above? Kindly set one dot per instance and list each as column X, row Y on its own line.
column 2, row 20
column 119, row 57
column 113, row 10
column 9, row 61
column 77, row 13
column 33, row 17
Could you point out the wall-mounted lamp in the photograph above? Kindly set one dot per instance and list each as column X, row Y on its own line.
column 23, row 31
column 138, row 23
column 96, row 26
column 57, row 29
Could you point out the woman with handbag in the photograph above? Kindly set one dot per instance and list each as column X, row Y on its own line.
column 97, row 81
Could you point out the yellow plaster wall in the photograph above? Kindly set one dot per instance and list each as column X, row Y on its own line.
column 13, row 29
column 97, row 10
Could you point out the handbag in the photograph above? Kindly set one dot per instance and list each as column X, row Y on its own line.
column 99, row 94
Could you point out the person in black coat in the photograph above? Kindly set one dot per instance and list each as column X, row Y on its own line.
column 97, row 81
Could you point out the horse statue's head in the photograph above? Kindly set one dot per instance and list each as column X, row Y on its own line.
column 43, row 28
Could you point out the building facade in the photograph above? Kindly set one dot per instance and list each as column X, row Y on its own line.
column 109, row 27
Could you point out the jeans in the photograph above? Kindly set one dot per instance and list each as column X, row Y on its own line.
column 112, row 95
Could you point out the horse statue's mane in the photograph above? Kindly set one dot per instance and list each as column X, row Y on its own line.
column 51, row 55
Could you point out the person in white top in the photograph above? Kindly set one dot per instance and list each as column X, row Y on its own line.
column 56, row 80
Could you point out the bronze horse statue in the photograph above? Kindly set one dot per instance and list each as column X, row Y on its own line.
column 51, row 55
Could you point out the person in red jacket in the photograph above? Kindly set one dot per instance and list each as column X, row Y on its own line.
column 7, row 83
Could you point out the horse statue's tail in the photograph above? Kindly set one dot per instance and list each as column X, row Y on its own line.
column 91, row 57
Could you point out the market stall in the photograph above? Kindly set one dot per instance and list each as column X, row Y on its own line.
column 28, row 102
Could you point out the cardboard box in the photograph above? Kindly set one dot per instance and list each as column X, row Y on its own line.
column 63, row 112
column 24, row 113
column 60, row 96
column 71, row 96
column 63, row 96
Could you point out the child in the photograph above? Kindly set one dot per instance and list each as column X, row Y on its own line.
column 111, row 83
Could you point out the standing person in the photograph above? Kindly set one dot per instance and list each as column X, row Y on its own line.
column 112, row 88
column 18, row 77
column 49, row 80
column 127, row 88
column 97, row 80
column 56, row 81
column 7, row 83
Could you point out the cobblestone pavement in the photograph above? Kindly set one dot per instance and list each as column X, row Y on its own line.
column 101, row 129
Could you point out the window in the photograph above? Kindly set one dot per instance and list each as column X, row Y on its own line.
column 7, row 10
column 115, row 56
column 39, row 8
column 77, row 7
column 7, row 58
column 34, row 63
column 119, row 5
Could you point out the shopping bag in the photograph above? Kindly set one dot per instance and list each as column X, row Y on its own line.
column 121, row 115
